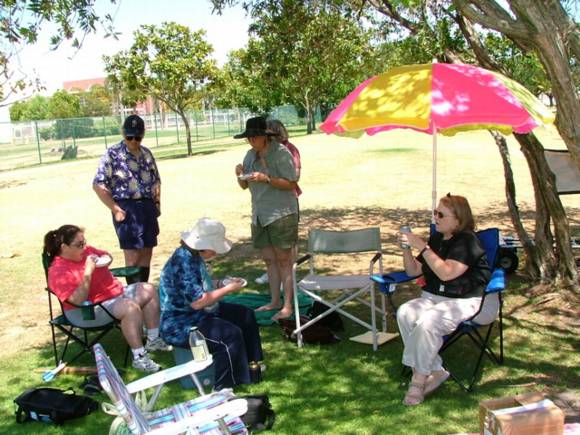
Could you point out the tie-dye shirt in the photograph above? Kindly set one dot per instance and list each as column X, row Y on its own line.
column 127, row 176
column 184, row 279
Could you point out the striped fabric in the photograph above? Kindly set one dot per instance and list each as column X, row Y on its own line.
column 138, row 423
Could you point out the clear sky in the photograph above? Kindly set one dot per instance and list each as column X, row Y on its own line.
column 225, row 33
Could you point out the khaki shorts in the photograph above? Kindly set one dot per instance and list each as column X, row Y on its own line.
column 282, row 233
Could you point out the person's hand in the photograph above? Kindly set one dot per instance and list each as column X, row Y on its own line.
column 119, row 214
column 412, row 240
column 259, row 177
column 234, row 285
column 91, row 264
column 239, row 169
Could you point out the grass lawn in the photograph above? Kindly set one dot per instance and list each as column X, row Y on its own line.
column 345, row 388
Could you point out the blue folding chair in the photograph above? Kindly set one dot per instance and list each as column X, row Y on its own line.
column 489, row 239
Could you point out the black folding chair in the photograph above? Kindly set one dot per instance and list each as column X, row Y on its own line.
column 85, row 337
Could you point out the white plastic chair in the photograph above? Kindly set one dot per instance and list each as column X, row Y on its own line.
column 215, row 413
column 358, row 288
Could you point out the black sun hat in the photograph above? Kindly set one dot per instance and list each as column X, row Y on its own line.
column 134, row 126
column 255, row 127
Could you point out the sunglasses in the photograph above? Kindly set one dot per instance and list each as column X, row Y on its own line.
column 81, row 244
column 137, row 138
column 440, row 215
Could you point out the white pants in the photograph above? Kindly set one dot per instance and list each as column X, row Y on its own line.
column 424, row 321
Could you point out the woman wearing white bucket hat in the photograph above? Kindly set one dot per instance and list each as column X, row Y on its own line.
column 188, row 298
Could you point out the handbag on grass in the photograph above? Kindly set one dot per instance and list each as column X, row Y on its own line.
column 314, row 334
column 52, row 405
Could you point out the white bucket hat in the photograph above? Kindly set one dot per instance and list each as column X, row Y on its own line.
column 207, row 234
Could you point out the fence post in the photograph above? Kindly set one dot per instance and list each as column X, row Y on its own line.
column 105, row 133
column 212, row 122
column 228, row 120
column 195, row 120
column 156, row 133
column 73, row 135
column 38, row 142
column 177, row 127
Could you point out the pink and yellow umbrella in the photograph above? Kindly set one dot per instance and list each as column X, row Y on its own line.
column 437, row 98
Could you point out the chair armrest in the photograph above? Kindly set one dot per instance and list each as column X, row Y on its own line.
column 167, row 375
column 233, row 408
column 376, row 257
column 497, row 281
column 302, row 259
column 123, row 272
column 388, row 281
column 393, row 278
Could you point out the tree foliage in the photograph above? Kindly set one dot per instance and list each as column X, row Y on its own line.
column 20, row 23
column 301, row 53
column 169, row 62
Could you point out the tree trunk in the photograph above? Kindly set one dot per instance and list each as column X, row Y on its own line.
column 534, row 263
column 185, row 120
column 547, row 195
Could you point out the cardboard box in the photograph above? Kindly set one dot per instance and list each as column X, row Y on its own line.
column 524, row 414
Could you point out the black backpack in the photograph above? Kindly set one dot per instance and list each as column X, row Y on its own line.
column 52, row 405
column 260, row 415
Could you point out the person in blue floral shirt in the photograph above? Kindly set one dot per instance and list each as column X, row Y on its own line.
column 128, row 183
column 188, row 297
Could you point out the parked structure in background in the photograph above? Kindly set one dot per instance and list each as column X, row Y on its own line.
column 141, row 108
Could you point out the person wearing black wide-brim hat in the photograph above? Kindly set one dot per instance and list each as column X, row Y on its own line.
column 268, row 171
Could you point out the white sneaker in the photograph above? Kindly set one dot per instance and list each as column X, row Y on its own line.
column 262, row 279
column 157, row 344
column 145, row 364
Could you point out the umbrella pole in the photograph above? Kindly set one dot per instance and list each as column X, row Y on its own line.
column 434, row 176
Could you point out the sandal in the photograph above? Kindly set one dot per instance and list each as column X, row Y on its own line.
column 415, row 394
column 433, row 382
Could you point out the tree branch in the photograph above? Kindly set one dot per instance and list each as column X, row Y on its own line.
column 490, row 14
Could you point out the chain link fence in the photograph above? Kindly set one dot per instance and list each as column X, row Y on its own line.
column 47, row 141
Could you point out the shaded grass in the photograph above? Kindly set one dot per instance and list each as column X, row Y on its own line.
column 343, row 388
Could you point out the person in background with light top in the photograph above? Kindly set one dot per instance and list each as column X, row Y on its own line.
column 456, row 273
column 74, row 277
column 128, row 183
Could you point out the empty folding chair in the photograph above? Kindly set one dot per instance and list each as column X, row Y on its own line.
column 350, row 288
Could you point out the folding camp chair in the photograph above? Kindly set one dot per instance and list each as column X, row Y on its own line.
column 350, row 287
column 489, row 238
column 74, row 331
column 215, row 413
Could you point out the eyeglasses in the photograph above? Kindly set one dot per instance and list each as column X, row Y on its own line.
column 137, row 138
column 440, row 215
column 80, row 244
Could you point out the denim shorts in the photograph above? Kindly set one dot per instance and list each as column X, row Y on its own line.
column 140, row 227
column 282, row 233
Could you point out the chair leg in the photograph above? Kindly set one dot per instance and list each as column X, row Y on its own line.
column 56, row 362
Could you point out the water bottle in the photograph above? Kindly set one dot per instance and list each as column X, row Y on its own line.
column 405, row 229
column 198, row 345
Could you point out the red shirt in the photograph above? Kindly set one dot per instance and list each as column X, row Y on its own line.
column 64, row 276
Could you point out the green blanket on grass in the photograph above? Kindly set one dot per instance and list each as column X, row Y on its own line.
column 255, row 300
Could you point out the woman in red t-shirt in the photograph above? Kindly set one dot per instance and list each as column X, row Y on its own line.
column 79, row 273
